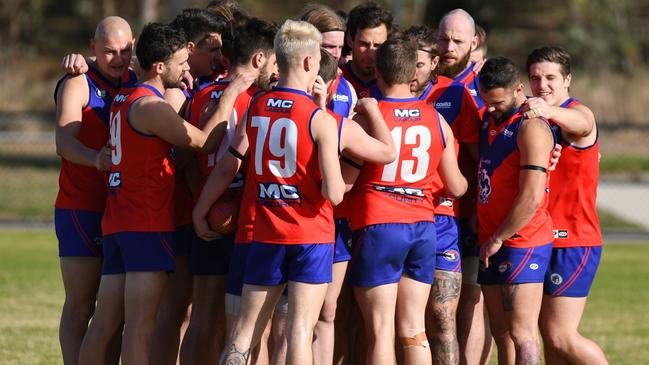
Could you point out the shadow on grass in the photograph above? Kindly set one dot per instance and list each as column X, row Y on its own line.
column 14, row 160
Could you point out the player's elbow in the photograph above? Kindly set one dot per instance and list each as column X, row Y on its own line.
column 334, row 194
column 390, row 154
column 457, row 188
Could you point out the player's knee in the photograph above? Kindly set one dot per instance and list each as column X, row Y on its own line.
column 328, row 312
column 78, row 310
column 443, row 323
column 415, row 337
column 558, row 341
column 522, row 336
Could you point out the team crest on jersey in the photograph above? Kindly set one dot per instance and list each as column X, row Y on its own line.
column 451, row 255
column 363, row 94
column 101, row 93
column 504, row 266
column 484, row 182
column 556, row 279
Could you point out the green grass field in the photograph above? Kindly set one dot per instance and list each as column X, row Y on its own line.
column 31, row 296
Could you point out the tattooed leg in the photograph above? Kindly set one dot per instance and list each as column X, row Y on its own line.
column 234, row 356
column 440, row 318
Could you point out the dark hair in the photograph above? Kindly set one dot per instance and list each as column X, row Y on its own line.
column 499, row 72
column 396, row 60
column 228, row 9
column 157, row 43
column 557, row 55
column 197, row 24
column 322, row 17
column 253, row 36
column 328, row 66
column 425, row 38
column 481, row 33
column 368, row 15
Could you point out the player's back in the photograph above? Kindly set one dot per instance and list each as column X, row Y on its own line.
column 285, row 168
column 573, row 192
column 400, row 192
column 83, row 187
column 141, row 180
column 498, row 184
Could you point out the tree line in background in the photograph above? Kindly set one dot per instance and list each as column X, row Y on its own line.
column 603, row 35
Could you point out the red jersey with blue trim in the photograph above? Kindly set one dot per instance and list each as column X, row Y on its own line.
column 454, row 102
column 84, row 187
column 401, row 191
column 363, row 89
column 141, row 180
column 340, row 210
column 573, row 193
column 290, row 208
column 498, row 178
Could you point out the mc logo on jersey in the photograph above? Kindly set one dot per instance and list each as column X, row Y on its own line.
column 279, row 103
column 120, row 98
column 216, row 94
column 114, row 180
column 278, row 191
column 406, row 113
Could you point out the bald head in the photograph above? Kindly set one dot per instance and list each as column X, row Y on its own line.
column 458, row 18
column 112, row 46
column 113, row 26
column 455, row 40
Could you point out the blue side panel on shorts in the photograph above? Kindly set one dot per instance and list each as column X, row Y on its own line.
column 237, row 270
column 274, row 264
column 78, row 232
column 138, row 252
column 448, row 253
column 343, row 240
column 211, row 258
column 516, row 266
column 382, row 253
column 572, row 271
column 184, row 237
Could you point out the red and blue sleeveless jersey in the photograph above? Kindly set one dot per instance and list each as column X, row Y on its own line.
column 213, row 92
column 83, row 187
column 454, row 102
column 343, row 96
column 498, row 179
column 290, row 208
column 471, row 81
column 573, row 192
column 141, row 180
column 401, row 191
column 363, row 89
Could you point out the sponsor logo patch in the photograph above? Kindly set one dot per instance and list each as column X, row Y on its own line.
column 451, row 255
column 560, row 233
column 556, row 279
column 534, row 266
column 504, row 266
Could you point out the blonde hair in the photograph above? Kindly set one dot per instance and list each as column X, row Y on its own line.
column 293, row 41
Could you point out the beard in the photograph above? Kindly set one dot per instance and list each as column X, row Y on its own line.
column 263, row 80
column 170, row 82
column 418, row 88
column 451, row 71
column 507, row 113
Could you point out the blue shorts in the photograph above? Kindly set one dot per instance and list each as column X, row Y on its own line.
column 467, row 239
column 572, row 271
column 237, row 270
column 516, row 266
column 138, row 251
column 211, row 257
column 273, row 264
column 184, row 237
column 343, row 241
column 78, row 232
column 382, row 253
column 448, row 253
